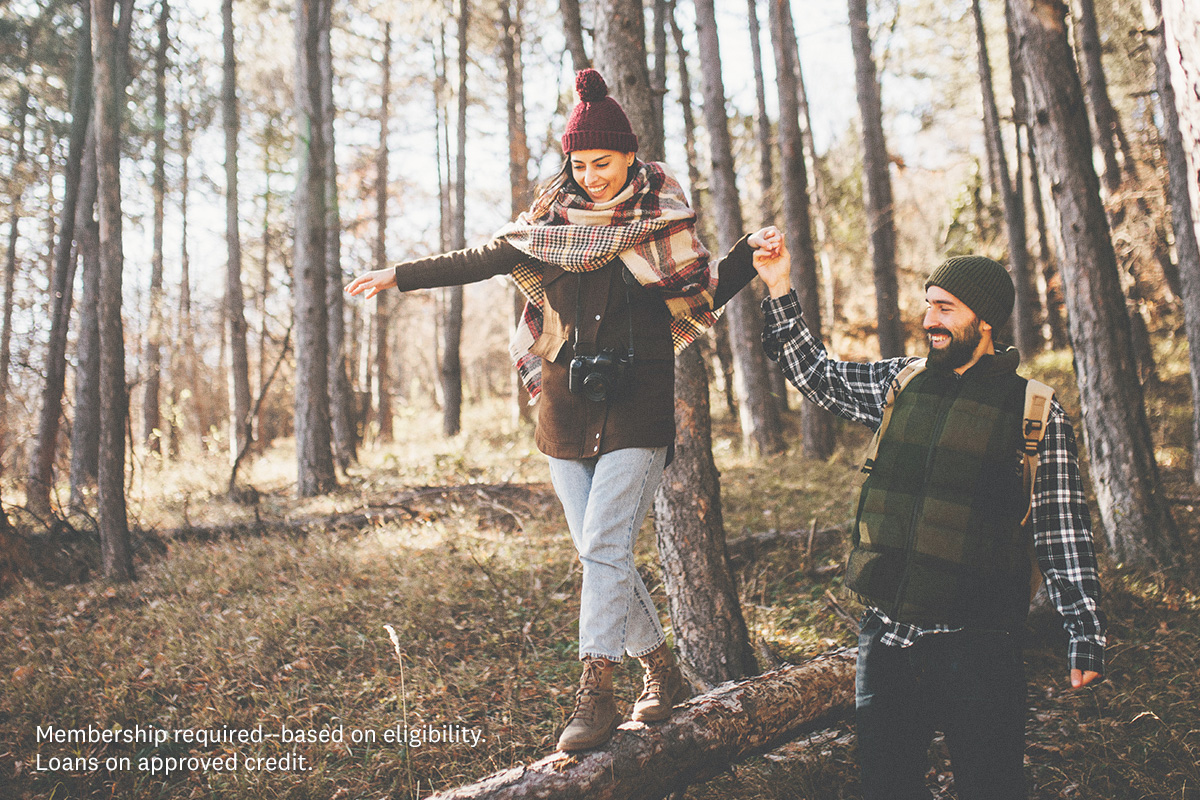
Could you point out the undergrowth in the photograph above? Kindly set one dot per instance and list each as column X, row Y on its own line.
column 274, row 619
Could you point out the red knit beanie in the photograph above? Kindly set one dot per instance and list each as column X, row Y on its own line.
column 597, row 122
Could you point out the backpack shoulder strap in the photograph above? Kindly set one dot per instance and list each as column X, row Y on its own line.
column 1033, row 427
column 910, row 370
column 1036, row 415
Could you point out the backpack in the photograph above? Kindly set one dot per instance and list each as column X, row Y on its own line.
column 1033, row 427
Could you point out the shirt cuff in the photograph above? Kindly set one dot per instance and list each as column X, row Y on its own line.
column 780, row 310
column 1086, row 655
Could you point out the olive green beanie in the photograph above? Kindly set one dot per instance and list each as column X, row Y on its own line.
column 982, row 284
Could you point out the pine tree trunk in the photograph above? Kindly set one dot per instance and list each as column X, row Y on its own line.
column 313, row 433
column 263, row 438
column 10, row 264
column 689, row 118
column 115, row 552
column 766, row 202
column 710, row 631
column 520, row 186
column 235, row 305
column 766, row 208
column 819, row 195
column 1184, row 192
column 151, row 413
column 383, row 300
column 1136, row 519
column 877, row 183
column 620, row 31
column 185, row 352
column 1103, row 116
column 1024, row 320
column 816, row 423
column 85, row 430
column 341, row 399
column 573, row 28
column 762, row 429
column 41, row 468
column 452, row 332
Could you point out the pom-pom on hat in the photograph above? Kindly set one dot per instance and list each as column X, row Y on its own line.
column 598, row 122
column 982, row 284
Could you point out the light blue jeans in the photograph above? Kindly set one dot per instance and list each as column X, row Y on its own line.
column 606, row 499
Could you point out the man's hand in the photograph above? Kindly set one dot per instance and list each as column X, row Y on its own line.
column 772, row 260
column 372, row 282
column 1080, row 678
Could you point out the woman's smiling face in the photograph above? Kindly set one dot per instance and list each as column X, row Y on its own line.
column 600, row 173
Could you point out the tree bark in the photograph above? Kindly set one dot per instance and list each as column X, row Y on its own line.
column 315, row 473
column 689, row 117
column 383, row 300
column 85, row 429
column 1181, row 181
column 115, row 552
column 151, row 413
column 1024, row 319
column 41, row 468
column 520, row 186
column 452, row 332
column 573, row 28
column 1105, row 123
column 621, row 31
column 762, row 429
column 710, row 631
column 877, row 184
column 183, row 369
column 816, row 423
column 341, row 399
column 766, row 200
column 10, row 262
column 85, row 432
column 700, row 741
column 235, row 304
column 1136, row 518
column 766, row 208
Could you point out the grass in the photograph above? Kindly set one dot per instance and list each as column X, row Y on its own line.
column 281, row 623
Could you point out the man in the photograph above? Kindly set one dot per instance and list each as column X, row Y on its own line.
column 940, row 554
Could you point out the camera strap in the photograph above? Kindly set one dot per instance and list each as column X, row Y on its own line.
column 579, row 312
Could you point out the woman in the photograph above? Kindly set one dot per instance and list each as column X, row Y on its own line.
column 617, row 281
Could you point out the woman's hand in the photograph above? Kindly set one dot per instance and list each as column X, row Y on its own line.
column 772, row 260
column 372, row 282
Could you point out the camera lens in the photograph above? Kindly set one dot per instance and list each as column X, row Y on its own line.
column 595, row 387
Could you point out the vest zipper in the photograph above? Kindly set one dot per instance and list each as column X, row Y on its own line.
column 911, row 541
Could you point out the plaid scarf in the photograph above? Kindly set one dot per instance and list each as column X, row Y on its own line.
column 648, row 225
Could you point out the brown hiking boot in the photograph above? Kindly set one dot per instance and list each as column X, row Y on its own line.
column 595, row 716
column 663, row 686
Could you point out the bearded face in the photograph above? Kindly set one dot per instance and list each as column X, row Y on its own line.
column 952, row 347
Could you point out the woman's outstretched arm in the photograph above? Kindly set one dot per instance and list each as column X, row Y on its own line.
column 497, row 257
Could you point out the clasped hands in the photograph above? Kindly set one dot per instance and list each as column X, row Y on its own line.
column 772, row 260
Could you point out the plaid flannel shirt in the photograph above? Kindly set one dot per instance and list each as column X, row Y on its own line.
column 1061, row 520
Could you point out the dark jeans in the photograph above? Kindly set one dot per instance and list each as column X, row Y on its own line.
column 968, row 684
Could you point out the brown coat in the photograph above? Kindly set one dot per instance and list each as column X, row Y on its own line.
column 570, row 425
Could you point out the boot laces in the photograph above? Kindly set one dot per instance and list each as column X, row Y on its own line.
column 588, row 693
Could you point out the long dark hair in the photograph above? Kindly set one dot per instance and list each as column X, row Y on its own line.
column 564, row 181
column 548, row 192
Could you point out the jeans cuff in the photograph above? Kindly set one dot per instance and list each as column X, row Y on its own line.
column 661, row 642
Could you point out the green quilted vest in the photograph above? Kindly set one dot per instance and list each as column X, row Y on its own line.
column 938, row 536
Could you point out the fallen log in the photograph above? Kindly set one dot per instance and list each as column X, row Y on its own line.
column 732, row 722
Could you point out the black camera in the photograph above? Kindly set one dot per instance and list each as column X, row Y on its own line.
column 599, row 377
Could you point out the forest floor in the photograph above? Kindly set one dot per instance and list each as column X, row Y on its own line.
column 270, row 617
